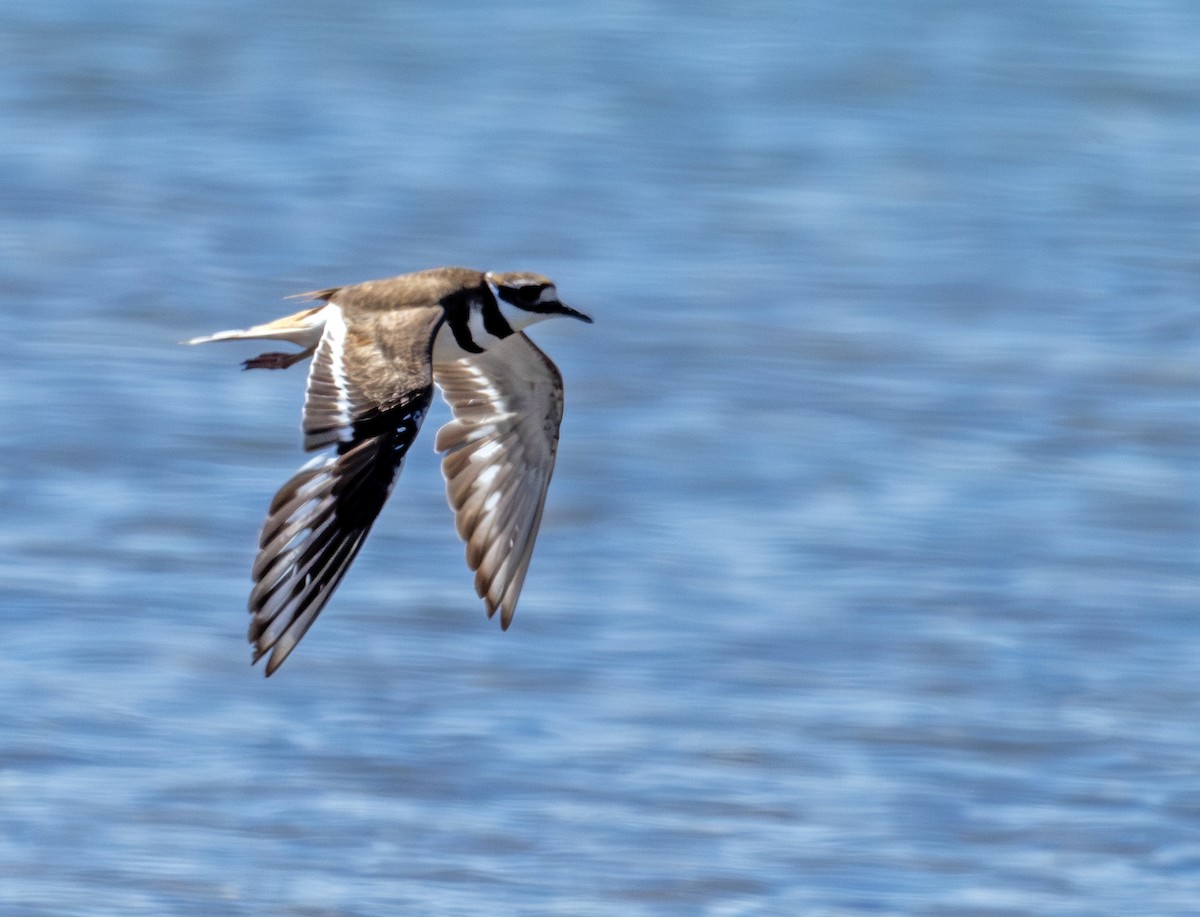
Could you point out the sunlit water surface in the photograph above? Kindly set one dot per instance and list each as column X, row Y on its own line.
column 868, row 582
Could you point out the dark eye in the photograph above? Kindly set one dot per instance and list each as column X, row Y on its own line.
column 528, row 294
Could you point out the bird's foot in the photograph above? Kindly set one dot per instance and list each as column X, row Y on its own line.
column 275, row 360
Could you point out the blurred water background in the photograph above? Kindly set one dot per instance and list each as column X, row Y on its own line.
column 868, row 582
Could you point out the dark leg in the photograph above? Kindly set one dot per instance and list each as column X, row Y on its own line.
column 277, row 360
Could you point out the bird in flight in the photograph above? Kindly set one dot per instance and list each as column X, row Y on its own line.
column 377, row 350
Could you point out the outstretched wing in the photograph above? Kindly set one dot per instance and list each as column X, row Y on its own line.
column 500, row 447
column 368, row 398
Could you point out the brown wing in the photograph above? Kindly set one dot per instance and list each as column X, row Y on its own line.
column 368, row 395
column 500, row 447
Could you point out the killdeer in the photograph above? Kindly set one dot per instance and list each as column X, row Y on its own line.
column 377, row 349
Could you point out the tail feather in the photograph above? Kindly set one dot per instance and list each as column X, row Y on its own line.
column 303, row 329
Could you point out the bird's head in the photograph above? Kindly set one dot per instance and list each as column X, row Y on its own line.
column 526, row 298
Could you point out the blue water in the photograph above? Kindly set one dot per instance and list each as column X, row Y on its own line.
column 870, row 576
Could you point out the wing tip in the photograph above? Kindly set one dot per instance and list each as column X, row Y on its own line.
column 506, row 611
column 275, row 662
column 279, row 650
